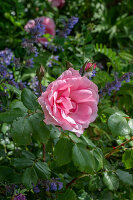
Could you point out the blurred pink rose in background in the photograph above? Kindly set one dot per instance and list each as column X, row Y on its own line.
column 49, row 27
column 57, row 3
column 90, row 65
column 70, row 102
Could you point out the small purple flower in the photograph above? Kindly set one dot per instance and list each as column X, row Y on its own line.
column 51, row 62
column 53, row 186
column 36, row 189
column 3, row 72
column 16, row 62
column 29, row 46
column 10, row 189
column 19, row 197
column 6, row 57
column 68, row 27
column 38, row 29
column 29, row 63
column 115, row 85
column 60, row 185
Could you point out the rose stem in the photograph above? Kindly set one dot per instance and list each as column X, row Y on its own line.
column 107, row 156
column 43, row 145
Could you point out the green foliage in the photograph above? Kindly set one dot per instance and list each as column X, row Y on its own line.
column 42, row 170
column 40, row 131
column 21, row 131
column 111, row 180
column 118, row 125
column 114, row 59
column 69, row 194
column 125, row 177
column 11, row 115
column 127, row 159
column 63, row 152
column 29, row 99
column 62, row 165
column 29, row 177
column 83, row 159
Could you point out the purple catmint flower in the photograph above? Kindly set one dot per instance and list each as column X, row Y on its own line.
column 16, row 62
column 60, row 185
column 36, row 189
column 115, row 85
column 34, row 85
column 29, row 46
column 3, row 72
column 29, row 62
column 10, row 189
column 6, row 57
column 68, row 27
column 52, row 47
column 19, row 197
column 89, row 74
column 51, row 62
column 53, row 185
column 37, row 30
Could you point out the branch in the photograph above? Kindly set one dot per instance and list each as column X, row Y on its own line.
column 40, row 87
column 107, row 156
column 75, row 179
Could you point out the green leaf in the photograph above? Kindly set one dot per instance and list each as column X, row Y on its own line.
column 29, row 177
column 112, row 111
column 21, row 131
column 69, row 194
column 111, row 180
column 130, row 123
column 98, row 155
column 75, row 138
column 18, row 104
column 40, row 130
column 88, row 141
column 125, row 177
column 63, row 151
column 22, row 162
column 11, row 115
column 118, row 125
column 13, row 89
column 83, row 158
column 29, row 99
column 127, row 158
column 28, row 155
column 94, row 183
column 42, row 169
column 54, row 132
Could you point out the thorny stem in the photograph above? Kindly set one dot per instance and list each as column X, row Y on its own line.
column 107, row 156
column 43, row 145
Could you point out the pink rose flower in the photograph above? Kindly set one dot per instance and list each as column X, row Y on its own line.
column 49, row 27
column 70, row 102
column 89, row 65
column 57, row 3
